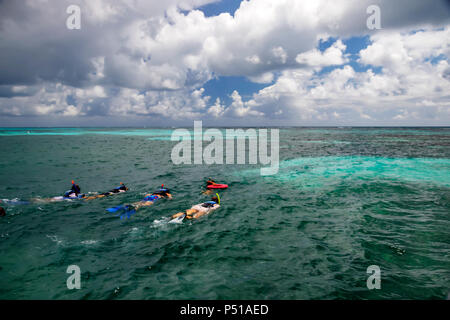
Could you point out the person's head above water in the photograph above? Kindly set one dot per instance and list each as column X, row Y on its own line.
column 123, row 187
column 215, row 199
column 75, row 188
column 162, row 191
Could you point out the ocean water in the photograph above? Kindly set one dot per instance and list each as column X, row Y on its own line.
column 344, row 199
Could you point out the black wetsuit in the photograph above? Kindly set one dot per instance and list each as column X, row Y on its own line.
column 115, row 190
column 76, row 189
column 162, row 192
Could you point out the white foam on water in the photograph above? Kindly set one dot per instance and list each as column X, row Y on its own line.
column 11, row 201
column 54, row 238
column 157, row 223
column 89, row 242
column 177, row 220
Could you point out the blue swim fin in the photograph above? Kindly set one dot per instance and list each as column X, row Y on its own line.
column 127, row 214
column 118, row 208
column 130, row 212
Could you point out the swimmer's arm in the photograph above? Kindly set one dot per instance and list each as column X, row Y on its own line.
column 169, row 196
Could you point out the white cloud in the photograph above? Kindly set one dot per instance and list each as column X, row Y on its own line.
column 217, row 109
column 280, row 54
column 254, row 59
column 168, row 104
column 52, row 99
column 149, row 58
column 334, row 55
column 240, row 109
column 266, row 77
column 409, row 81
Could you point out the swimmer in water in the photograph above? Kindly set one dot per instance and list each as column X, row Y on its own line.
column 199, row 210
column 75, row 191
column 148, row 200
column 209, row 182
column 119, row 189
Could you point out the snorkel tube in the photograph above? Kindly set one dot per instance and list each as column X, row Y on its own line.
column 218, row 198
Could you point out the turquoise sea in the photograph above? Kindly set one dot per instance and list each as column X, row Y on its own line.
column 344, row 199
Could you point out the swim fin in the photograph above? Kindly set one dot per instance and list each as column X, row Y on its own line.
column 14, row 202
column 178, row 219
column 127, row 214
column 118, row 208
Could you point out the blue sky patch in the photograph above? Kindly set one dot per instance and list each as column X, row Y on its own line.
column 223, row 87
column 436, row 59
column 216, row 8
column 356, row 44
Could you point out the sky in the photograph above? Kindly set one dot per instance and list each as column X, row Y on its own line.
column 227, row 63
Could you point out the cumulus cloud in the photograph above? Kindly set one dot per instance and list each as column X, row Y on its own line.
column 239, row 108
column 334, row 55
column 152, row 58
column 217, row 109
column 408, row 86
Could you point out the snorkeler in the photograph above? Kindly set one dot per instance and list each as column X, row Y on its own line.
column 74, row 192
column 148, row 200
column 199, row 210
column 211, row 185
column 119, row 189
